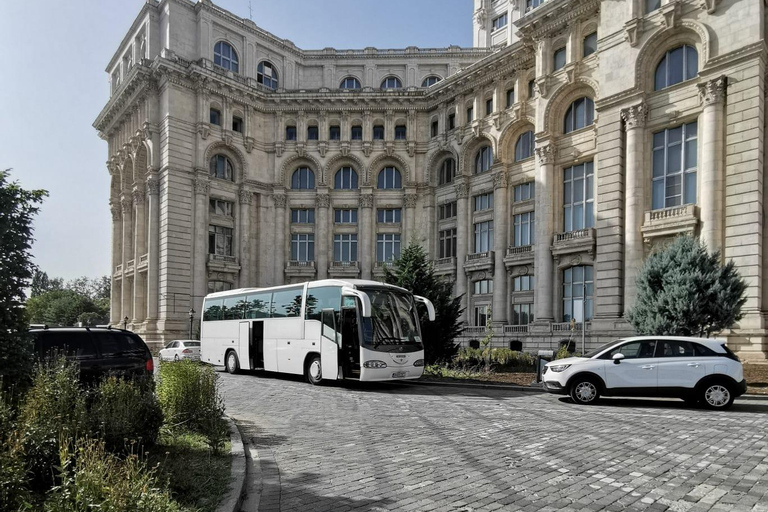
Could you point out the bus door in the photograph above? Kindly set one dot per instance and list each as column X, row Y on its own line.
column 350, row 336
column 329, row 350
column 244, row 348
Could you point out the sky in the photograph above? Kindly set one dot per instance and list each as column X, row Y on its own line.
column 53, row 85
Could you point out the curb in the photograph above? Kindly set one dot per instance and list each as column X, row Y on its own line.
column 231, row 501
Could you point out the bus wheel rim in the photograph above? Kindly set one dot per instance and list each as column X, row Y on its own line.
column 314, row 369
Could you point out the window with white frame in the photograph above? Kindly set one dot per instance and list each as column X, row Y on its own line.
column 483, row 237
column 447, row 243
column 302, row 247
column 266, row 74
column 558, row 59
column 220, row 207
column 578, row 197
column 499, row 22
column 481, row 315
column 388, row 215
column 489, row 106
column 220, row 240
column 677, row 65
column 430, row 81
column 483, row 287
column 303, row 178
column 524, row 146
column 525, row 191
column 350, row 82
column 524, row 224
column 447, row 171
column 579, row 115
column 674, row 166
column 345, row 247
column 532, row 4
column 484, row 202
column 590, row 44
column 302, row 215
column 578, row 293
column 525, row 283
column 224, row 55
column 522, row 314
column 345, row 216
column 446, row 211
column 484, row 159
column 221, row 167
column 345, row 179
column 391, row 82
column 387, row 247
column 470, row 114
column 531, row 88
column 389, row 178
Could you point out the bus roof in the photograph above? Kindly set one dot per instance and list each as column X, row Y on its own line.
column 355, row 283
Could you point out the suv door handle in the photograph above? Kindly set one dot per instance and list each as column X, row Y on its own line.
column 695, row 365
column 648, row 367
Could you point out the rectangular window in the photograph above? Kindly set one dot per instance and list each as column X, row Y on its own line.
column 525, row 191
column 400, row 132
column 578, row 293
column 446, row 211
column 302, row 247
column 483, row 287
column 484, row 202
column 215, row 117
column 499, row 22
column 290, row 133
column 578, row 197
column 287, row 303
column 652, row 5
column 674, row 166
column 447, row 243
column 434, row 129
column 334, row 132
column 559, row 59
column 341, row 216
column 470, row 114
column 532, row 4
column 258, row 306
column 451, row 121
column 387, row 247
column 388, row 216
column 524, row 229
column 489, row 106
column 303, row 216
column 523, row 284
column 378, row 132
column 312, row 133
column 522, row 314
column 219, row 240
column 531, row 89
column 590, row 44
column 356, row 133
column 510, row 97
column 481, row 316
column 345, row 247
column 237, row 124
column 483, row 237
column 219, row 207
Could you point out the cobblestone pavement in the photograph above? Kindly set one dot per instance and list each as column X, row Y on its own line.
column 420, row 448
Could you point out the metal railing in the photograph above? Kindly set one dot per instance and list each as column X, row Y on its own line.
column 514, row 329
column 295, row 263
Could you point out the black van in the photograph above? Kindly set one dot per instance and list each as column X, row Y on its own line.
column 99, row 351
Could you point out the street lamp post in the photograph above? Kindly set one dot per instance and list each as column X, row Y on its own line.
column 191, row 318
column 584, row 321
column 125, row 323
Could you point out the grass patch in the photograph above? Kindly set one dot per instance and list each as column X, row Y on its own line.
column 197, row 477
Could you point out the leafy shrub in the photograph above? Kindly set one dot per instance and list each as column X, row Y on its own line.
column 501, row 357
column 191, row 401
column 53, row 409
column 94, row 479
column 562, row 352
column 125, row 412
column 14, row 493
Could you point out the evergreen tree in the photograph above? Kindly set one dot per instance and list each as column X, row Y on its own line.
column 17, row 209
column 414, row 272
column 683, row 290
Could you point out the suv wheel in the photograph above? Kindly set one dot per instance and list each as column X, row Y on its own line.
column 716, row 395
column 584, row 391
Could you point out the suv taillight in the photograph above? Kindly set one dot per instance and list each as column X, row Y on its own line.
column 150, row 365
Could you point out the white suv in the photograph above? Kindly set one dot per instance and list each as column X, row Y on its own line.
column 694, row 369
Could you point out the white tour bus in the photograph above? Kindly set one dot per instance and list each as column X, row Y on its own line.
column 329, row 329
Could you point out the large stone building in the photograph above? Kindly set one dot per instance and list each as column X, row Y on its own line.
column 238, row 159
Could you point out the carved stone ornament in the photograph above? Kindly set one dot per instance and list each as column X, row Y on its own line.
column 323, row 201
column 279, row 148
column 227, row 138
column 249, row 142
column 280, row 200
column 672, row 13
column 411, row 148
column 202, row 186
column 500, row 180
column 633, row 29
column 138, row 196
column 301, row 149
column 126, row 204
column 365, row 201
column 462, row 191
column 713, row 91
column 540, row 86
column 204, row 130
column 546, row 154
column 322, row 148
column 246, row 196
column 389, row 146
column 345, row 148
column 480, row 16
column 153, row 186
column 709, row 5
column 116, row 211
column 409, row 201
column 635, row 116
column 146, row 129
column 367, row 149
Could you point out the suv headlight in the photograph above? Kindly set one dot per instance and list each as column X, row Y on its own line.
column 557, row 368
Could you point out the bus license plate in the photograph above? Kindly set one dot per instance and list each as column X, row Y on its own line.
column 398, row 375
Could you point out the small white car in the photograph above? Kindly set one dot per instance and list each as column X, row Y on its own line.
column 698, row 370
column 180, row 350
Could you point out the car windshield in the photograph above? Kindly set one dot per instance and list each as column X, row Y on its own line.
column 601, row 348
column 393, row 323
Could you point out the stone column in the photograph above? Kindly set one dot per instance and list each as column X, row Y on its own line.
column 244, row 228
column 139, row 290
column 200, row 242
column 463, row 243
column 280, row 256
column 499, row 248
column 153, row 253
column 322, row 202
column 126, row 293
column 409, row 226
column 711, row 131
column 117, row 233
column 366, row 230
column 544, row 232
column 634, row 199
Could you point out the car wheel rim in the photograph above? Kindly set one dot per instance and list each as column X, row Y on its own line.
column 586, row 391
column 717, row 396
column 314, row 369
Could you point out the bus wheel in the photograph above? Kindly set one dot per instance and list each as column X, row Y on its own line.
column 314, row 371
column 233, row 365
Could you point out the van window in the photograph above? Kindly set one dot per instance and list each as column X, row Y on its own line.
column 287, row 303
column 258, row 305
column 71, row 344
column 212, row 309
column 233, row 308
column 114, row 344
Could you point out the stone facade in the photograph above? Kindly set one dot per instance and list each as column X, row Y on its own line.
column 238, row 159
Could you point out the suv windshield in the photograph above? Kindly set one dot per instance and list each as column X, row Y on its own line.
column 393, row 325
column 599, row 349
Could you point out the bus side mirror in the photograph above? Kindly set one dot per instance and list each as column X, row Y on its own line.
column 430, row 306
column 365, row 301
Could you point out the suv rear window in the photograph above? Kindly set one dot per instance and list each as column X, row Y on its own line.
column 117, row 344
column 72, row 344
column 730, row 353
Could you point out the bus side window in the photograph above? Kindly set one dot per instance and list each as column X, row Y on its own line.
column 212, row 310
column 287, row 303
column 325, row 297
column 231, row 309
column 258, row 306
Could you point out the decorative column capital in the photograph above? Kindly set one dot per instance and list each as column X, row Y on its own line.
column 365, row 201
column 138, row 196
column 126, row 204
column 323, row 200
column 246, row 197
column 202, row 186
column 280, row 200
column 713, row 91
column 635, row 116
column 546, row 154
column 462, row 190
column 409, row 201
column 117, row 213
column 153, row 186
column 500, row 180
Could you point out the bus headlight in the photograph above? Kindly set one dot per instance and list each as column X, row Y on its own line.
column 374, row 364
column 418, row 362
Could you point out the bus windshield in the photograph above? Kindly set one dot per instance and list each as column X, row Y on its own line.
column 393, row 325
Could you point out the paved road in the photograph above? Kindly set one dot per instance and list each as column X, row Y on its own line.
column 421, row 448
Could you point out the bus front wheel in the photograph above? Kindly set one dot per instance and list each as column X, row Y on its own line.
column 233, row 365
column 314, row 371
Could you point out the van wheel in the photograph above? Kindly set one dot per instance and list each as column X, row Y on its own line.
column 314, row 371
column 233, row 365
column 584, row 391
column 716, row 395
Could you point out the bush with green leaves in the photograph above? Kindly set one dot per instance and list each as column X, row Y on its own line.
column 14, row 493
column 190, row 400
column 125, row 413
column 468, row 357
column 94, row 479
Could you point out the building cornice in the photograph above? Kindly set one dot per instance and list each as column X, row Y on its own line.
column 150, row 5
column 553, row 16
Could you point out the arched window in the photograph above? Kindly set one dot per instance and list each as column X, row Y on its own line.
column 221, row 167
column 678, row 65
column 483, row 159
column 516, row 345
column 430, row 80
column 225, row 56
column 581, row 113
column 350, row 83
column 391, row 82
column 346, row 178
column 524, row 146
column 558, row 59
column 303, row 178
column 266, row 74
column 447, row 171
column 474, row 344
column 389, row 177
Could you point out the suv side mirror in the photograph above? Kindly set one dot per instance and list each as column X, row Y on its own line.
column 617, row 358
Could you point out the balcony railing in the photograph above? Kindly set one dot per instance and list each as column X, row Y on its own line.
column 119, row 269
column 143, row 259
column 130, row 264
column 515, row 329
column 474, row 331
column 519, row 251
column 573, row 235
column 222, row 258
column 686, row 210
column 301, row 264
column 381, row 264
column 479, row 256
column 344, row 264
column 445, row 262
column 567, row 326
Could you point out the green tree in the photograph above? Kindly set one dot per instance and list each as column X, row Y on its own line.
column 64, row 308
column 17, row 209
column 684, row 290
column 414, row 272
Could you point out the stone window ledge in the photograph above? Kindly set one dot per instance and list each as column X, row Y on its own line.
column 669, row 222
